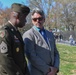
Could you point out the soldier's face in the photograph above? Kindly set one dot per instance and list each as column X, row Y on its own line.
column 21, row 21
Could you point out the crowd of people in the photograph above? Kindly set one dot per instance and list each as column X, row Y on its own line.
column 37, row 45
column 58, row 37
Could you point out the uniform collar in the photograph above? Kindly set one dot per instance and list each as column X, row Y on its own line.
column 13, row 25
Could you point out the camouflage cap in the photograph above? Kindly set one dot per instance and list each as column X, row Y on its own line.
column 20, row 8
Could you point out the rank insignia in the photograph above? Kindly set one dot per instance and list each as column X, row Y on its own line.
column 3, row 47
column 17, row 49
column 2, row 34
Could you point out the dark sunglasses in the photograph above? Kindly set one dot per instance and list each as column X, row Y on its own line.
column 35, row 19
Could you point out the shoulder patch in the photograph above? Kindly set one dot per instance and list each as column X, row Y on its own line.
column 2, row 33
column 3, row 47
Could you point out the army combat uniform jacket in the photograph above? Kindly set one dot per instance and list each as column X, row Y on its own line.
column 12, row 60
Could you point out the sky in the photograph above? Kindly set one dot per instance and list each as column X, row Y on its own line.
column 7, row 3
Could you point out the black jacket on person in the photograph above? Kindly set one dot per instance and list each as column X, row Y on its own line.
column 12, row 59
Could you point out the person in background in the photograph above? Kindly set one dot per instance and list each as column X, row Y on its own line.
column 12, row 59
column 40, row 47
column 60, row 37
column 71, row 40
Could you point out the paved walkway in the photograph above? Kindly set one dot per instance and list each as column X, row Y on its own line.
column 66, row 42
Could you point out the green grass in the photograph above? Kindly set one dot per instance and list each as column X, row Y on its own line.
column 67, row 59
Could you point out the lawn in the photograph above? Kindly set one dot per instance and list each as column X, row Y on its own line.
column 67, row 59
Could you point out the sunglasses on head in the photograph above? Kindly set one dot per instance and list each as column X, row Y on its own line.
column 35, row 19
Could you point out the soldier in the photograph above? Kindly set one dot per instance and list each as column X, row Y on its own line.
column 12, row 59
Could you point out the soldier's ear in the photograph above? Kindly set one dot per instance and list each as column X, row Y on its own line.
column 44, row 19
column 15, row 14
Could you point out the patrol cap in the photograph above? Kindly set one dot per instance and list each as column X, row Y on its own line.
column 20, row 8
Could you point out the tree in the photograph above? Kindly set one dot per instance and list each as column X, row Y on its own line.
column 68, row 16
column 43, row 4
column 4, row 15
